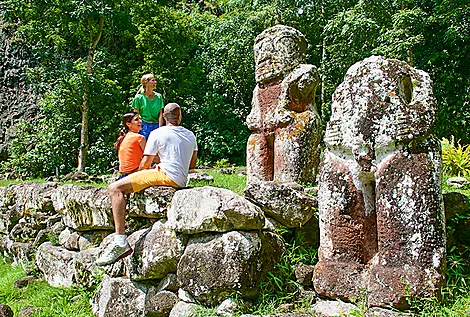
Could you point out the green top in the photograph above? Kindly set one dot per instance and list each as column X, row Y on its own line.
column 149, row 109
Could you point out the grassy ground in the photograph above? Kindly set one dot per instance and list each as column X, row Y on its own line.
column 59, row 302
column 235, row 182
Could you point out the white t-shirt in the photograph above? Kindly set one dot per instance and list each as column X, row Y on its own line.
column 175, row 146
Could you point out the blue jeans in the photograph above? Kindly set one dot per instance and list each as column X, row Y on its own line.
column 147, row 128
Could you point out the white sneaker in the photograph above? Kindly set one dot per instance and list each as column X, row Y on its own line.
column 113, row 253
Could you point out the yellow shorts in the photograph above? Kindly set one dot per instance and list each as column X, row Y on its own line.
column 151, row 177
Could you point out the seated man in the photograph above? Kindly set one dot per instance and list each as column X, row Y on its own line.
column 176, row 148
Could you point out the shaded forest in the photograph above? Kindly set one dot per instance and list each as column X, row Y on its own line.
column 90, row 54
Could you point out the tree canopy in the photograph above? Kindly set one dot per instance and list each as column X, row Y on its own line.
column 201, row 53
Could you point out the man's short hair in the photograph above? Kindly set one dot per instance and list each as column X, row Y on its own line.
column 172, row 112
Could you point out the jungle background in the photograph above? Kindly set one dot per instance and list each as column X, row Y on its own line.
column 87, row 56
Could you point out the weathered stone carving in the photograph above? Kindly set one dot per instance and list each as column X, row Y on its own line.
column 285, row 124
column 380, row 202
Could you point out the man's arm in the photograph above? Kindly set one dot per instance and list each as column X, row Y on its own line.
column 192, row 163
column 160, row 118
column 146, row 162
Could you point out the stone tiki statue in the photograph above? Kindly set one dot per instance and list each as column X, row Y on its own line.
column 285, row 125
column 380, row 202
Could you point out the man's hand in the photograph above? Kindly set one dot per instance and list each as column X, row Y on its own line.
column 146, row 162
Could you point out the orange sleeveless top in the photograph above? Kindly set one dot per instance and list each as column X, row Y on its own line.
column 130, row 153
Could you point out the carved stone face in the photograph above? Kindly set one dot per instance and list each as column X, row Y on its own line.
column 278, row 50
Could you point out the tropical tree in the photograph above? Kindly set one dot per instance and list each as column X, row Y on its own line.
column 65, row 35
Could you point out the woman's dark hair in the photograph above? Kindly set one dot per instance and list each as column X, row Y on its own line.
column 126, row 118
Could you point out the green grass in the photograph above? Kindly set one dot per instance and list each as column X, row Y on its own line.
column 233, row 182
column 9, row 182
column 51, row 301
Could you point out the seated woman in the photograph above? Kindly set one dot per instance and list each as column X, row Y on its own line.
column 130, row 144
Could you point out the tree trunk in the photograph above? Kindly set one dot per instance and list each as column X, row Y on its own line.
column 84, row 143
column 322, row 66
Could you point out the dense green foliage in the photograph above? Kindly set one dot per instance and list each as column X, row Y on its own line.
column 201, row 55
column 455, row 158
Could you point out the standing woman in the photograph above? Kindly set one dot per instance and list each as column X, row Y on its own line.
column 149, row 105
column 130, row 144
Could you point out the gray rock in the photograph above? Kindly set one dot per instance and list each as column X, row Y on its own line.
column 152, row 202
column 457, row 182
column 168, row 283
column 185, row 296
column 27, row 202
column 455, row 203
column 304, row 274
column 156, row 253
column 119, row 297
column 23, row 282
column 62, row 267
column 28, row 311
column 286, row 203
column 198, row 178
column 230, row 307
column 382, row 312
column 227, row 170
column 5, row 311
column 324, row 308
column 213, row 266
column 18, row 98
column 212, row 209
column 77, row 241
column 160, row 304
column 84, row 208
column 183, row 309
column 21, row 253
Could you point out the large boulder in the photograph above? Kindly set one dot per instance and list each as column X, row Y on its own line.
column 286, row 203
column 156, row 252
column 117, row 296
column 212, row 209
column 84, row 208
column 30, row 201
column 456, row 204
column 152, row 202
column 457, row 210
column 62, row 267
column 213, row 266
